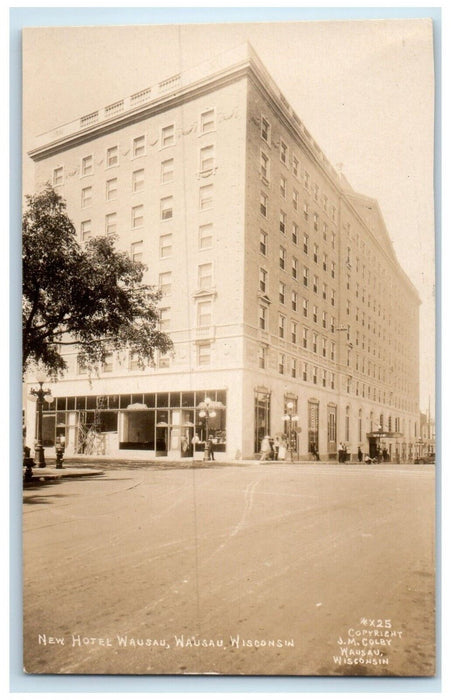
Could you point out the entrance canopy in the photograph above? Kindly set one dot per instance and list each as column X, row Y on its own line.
column 384, row 434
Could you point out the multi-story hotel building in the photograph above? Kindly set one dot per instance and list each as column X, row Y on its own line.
column 280, row 283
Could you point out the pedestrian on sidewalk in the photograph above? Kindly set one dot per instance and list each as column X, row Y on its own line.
column 265, row 449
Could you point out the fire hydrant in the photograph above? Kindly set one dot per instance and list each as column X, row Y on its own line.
column 59, row 456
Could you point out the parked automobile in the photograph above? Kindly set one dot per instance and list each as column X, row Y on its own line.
column 426, row 459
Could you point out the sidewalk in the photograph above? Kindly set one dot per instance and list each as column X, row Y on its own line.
column 50, row 472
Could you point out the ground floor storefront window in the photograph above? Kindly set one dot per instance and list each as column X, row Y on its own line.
column 313, row 427
column 162, row 422
column 262, row 411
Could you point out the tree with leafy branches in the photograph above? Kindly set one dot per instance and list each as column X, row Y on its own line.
column 91, row 296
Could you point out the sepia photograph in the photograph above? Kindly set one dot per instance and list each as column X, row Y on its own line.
column 228, row 350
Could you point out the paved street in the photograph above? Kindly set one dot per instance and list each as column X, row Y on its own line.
column 259, row 569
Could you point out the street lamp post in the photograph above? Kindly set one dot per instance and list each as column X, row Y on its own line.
column 291, row 419
column 207, row 411
column 41, row 395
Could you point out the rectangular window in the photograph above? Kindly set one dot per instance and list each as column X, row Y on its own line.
column 332, row 297
column 332, row 270
column 206, row 197
column 294, row 332
column 165, row 319
column 265, row 130
column 263, row 204
column 315, row 284
column 315, row 192
column 306, row 211
column 315, row 253
column 283, row 187
column 85, row 230
column 315, row 314
column 324, row 347
column 167, row 170
column 112, row 156
column 304, row 371
column 295, row 200
column 294, row 268
column 324, row 262
column 203, row 354
column 205, row 275
column 305, row 244
column 204, row 309
column 263, row 243
column 111, row 189
column 138, row 180
column 324, row 232
column 136, row 251
column 294, row 301
column 262, row 317
column 282, row 362
column 324, row 291
column 165, row 282
column 262, row 279
column 282, row 258
column 166, row 245
column 282, row 289
column 306, row 180
column 314, row 341
column 58, row 176
column 332, row 380
column 139, row 146
column 168, row 135
column 283, row 152
column 207, row 121
column 315, row 375
column 332, row 351
column 207, row 158
column 137, row 216
column 87, row 165
column 262, row 357
column 205, row 236
column 305, row 307
column 324, row 319
column 295, row 233
column 304, row 337
column 293, row 367
column 166, row 208
column 107, row 365
column 111, row 223
column 264, row 166
column 315, row 221
column 305, row 276
column 86, row 197
column 282, row 324
column 282, row 222
column 295, row 166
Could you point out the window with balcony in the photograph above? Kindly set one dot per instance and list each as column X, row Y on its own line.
column 204, row 314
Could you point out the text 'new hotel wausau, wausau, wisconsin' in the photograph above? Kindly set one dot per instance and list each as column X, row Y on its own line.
column 280, row 283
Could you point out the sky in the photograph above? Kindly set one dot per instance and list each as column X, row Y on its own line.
column 364, row 90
